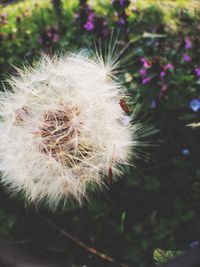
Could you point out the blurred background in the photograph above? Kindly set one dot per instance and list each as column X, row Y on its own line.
column 153, row 213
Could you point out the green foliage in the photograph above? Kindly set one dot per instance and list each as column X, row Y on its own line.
column 155, row 205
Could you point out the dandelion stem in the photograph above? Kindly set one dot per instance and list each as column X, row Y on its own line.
column 85, row 246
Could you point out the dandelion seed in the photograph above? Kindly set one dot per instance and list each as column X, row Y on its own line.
column 126, row 120
column 60, row 124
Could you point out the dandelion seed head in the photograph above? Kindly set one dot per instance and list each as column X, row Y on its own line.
column 62, row 129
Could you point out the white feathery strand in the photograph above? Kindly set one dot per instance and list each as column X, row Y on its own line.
column 62, row 127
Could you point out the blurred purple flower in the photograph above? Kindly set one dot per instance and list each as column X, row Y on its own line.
column 145, row 62
column 91, row 16
column 55, row 38
column 143, row 72
column 49, row 36
column 153, row 104
column 185, row 151
column 146, row 80
column 89, row 26
column 197, row 70
column 162, row 74
column 169, row 66
column 121, row 21
column 188, row 43
column 194, row 104
column 186, row 58
column 194, row 244
column 121, row 2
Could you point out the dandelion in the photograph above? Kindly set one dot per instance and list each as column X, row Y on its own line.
column 62, row 128
column 127, row 120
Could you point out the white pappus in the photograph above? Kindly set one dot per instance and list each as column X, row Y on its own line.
column 62, row 128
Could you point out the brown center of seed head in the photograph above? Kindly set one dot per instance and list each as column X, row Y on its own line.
column 21, row 113
column 59, row 131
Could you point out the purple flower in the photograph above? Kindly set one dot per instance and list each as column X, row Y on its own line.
column 188, row 43
column 121, row 21
column 55, row 38
column 186, row 58
column 91, row 16
column 145, row 62
column 194, row 244
column 185, row 151
column 162, row 74
column 143, row 72
column 169, row 66
column 153, row 104
column 121, row 2
column 194, row 104
column 197, row 70
column 49, row 36
column 146, row 80
column 89, row 26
